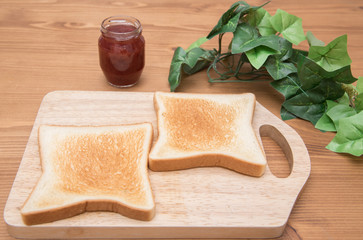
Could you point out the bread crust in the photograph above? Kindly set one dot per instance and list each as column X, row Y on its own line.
column 207, row 160
column 55, row 214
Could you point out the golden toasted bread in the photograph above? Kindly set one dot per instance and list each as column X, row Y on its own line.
column 92, row 169
column 197, row 130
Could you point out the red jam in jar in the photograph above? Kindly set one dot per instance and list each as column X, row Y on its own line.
column 121, row 50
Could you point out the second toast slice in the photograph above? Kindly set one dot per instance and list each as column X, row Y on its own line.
column 198, row 130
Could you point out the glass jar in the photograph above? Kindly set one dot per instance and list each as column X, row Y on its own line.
column 121, row 50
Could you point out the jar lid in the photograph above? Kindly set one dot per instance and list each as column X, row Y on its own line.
column 121, row 27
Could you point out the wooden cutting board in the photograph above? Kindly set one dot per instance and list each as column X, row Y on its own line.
column 196, row 203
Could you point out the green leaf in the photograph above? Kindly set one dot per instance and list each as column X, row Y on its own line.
column 344, row 99
column 312, row 40
column 244, row 34
column 331, row 104
column 289, row 26
column 349, row 137
column 230, row 19
column 238, row 46
column 191, row 57
column 267, row 41
column 176, row 68
column 261, row 20
column 332, row 56
column 359, row 102
column 278, row 69
column 245, row 8
column 325, row 123
column 343, row 75
column 306, row 110
column 197, row 43
column 258, row 56
column 285, row 49
column 288, row 86
column 286, row 115
column 227, row 23
column 255, row 17
column 310, row 105
column 188, row 62
column 340, row 111
column 360, row 85
column 297, row 54
column 198, row 59
column 264, row 27
column 310, row 73
column 242, row 6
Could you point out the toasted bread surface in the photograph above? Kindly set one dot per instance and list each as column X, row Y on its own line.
column 198, row 130
column 92, row 169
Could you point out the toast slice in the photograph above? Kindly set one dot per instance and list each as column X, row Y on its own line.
column 198, row 130
column 100, row 168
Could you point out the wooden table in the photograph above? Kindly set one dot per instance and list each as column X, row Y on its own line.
column 52, row 45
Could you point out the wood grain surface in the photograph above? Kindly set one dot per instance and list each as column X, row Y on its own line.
column 49, row 45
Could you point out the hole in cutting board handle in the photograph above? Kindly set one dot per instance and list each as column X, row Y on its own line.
column 278, row 152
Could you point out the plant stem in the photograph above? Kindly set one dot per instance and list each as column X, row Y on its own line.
column 231, row 71
column 220, row 36
column 239, row 65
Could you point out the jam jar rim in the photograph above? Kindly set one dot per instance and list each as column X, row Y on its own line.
column 124, row 35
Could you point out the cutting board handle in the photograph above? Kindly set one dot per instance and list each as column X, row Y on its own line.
column 291, row 144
